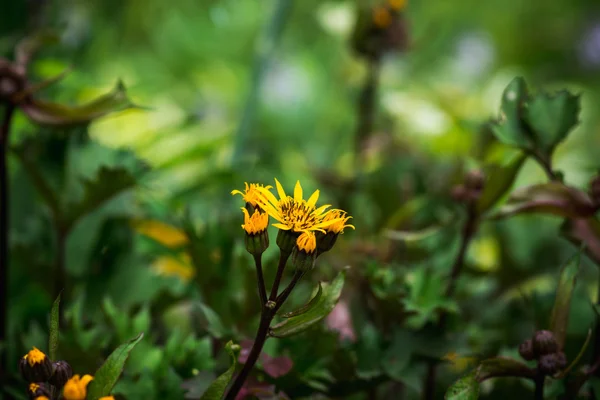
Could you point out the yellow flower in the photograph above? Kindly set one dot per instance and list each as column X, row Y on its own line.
column 178, row 266
column 76, row 387
column 35, row 357
column 397, row 5
column 252, row 192
column 307, row 242
column 162, row 233
column 340, row 217
column 382, row 17
column 256, row 223
column 294, row 213
column 107, row 398
column 42, row 398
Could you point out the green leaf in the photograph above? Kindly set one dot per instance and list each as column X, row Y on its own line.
column 214, row 325
column 548, row 198
column 564, row 373
column 396, row 359
column 502, row 366
column 307, row 306
column 53, row 114
column 551, row 117
column 326, row 303
column 559, row 318
column 54, row 329
column 216, row 390
column 108, row 182
column 108, row 374
column 466, row 388
column 498, row 180
column 509, row 128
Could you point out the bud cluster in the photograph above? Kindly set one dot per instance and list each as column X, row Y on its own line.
column 543, row 348
column 45, row 377
column 472, row 188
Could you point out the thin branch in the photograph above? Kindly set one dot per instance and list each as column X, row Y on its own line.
column 262, row 291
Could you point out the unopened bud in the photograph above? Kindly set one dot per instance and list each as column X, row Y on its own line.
column 326, row 241
column 549, row 364
column 526, row 350
column 286, row 240
column 62, row 373
column 302, row 260
column 475, row 180
column 543, row 343
column 36, row 390
column 35, row 366
column 257, row 244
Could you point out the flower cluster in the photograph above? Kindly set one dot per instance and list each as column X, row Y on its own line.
column 305, row 229
column 43, row 376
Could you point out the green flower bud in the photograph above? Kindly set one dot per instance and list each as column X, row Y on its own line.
column 257, row 244
column 326, row 241
column 286, row 240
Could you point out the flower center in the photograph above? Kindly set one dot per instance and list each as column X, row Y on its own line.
column 298, row 215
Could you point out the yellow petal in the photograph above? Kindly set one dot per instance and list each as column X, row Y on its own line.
column 282, row 226
column 298, row 192
column 320, row 210
column 280, row 190
column 312, row 201
column 268, row 195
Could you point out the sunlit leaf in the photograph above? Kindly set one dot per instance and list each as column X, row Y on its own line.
column 551, row 117
column 54, row 114
column 562, row 303
column 548, row 198
column 498, row 180
column 466, row 388
column 108, row 374
column 509, row 128
column 320, row 309
column 54, row 329
column 216, row 390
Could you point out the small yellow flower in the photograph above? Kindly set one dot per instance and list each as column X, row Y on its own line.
column 167, row 235
column 340, row 217
column 76, row 387
column 307, row 242
column 107, row 398
column 294, row 213
column 382, row 17
column 175, row 266
column 42, row 398
column 397, row 5
column 35, row 357
column 256, row 223
column 251, row 193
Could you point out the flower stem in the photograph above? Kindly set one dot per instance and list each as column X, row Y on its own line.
column 285, row 294
column 283, row 257
column 4, row 226
column 539, row 387
column 259, row 342
column 262, row 291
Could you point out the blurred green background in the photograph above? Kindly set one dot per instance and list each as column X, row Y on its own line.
column 247, row 90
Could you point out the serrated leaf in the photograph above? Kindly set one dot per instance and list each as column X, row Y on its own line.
column 307, row 306
column 54, row 114
column 559, row 318
column 466, row 388
column 216, row 390
column 551, row 117
column 548, row 198
column 327, row 301
column 499, row 179
column 108, row 374
column 509, row 127
column 109, row 181
column 54, row 329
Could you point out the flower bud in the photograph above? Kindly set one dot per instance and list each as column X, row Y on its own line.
column 475, row 180
column 549, row 364
column 62, row 373
column 561, row 359
column 526, row 350
column 326, row 241
column 304, row 253
column 257, row 244
column 37, row 390
column 286, row 240
column 543, row 343
column 35, row 366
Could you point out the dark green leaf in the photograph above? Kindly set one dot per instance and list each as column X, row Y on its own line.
column 396, row 358
column 53, row 114
column 498, row 180
column 108, row 182
column 108, row 374
column 327, row 301
column 548, row 198
column 307, row 306
column 551, row 117
column 559, row 318
column 54, row 329
column 466, row 388
column 216, row 390
column 509, row 128
column 502, row 366
column 577, row 358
